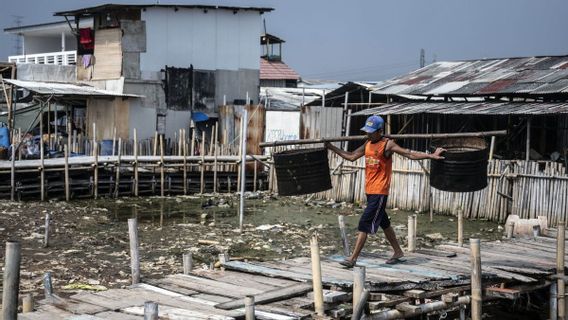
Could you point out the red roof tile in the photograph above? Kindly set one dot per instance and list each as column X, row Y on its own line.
column 276, row 70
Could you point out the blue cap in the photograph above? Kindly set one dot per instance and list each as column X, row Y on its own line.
column 373, row 124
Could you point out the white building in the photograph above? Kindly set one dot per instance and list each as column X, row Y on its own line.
column 180, row 58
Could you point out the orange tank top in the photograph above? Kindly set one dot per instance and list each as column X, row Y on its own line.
column 378, row 168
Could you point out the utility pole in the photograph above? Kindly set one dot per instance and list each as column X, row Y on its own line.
column 422, row 58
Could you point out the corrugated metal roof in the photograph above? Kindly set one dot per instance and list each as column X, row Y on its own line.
column 483, row 77
column 276, row 70
column 65, row 89
column 465, row 108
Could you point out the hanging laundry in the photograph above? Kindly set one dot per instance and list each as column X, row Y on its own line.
column 87, row 60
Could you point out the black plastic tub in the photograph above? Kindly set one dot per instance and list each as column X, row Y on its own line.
column 464, row 168
column 302, row 171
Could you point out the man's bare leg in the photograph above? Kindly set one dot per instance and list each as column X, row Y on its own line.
column 361, row 238
column 391, row 237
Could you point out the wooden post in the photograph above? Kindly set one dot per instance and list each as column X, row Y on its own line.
column 492, row 148
column 358, row 310
column 249, row 308
column 11, row 281
column 135, row 164
column 460, row 227
column 155, row 143
column 411, row 234
column 184, row 168
column 528, row 146
column 553, row 303
column 117, row 179
column 134, row 257
column 28, row 303
column 344, row 240
column 13, row 174
column 215, row 141
column 94, row 138
column 55, row 131
column 510, row 228
column 46, row 234
column 316, row 276
column 150, row 310
column 358, row 284
column 243, row 170
column 113, row 140
column 47, row 285
column 67, row 190
column 187, row 263
column 476, row 288
column 202, row 167
column 192, row 150
column 96, row 170
column 162, row 166
column 49, row 144
column 41, row 157
column 560, row 286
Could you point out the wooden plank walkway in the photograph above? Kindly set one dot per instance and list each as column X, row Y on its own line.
column 200, row 295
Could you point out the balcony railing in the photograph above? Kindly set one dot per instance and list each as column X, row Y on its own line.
column 58, row 58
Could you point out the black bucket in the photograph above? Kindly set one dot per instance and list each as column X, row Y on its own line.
column 464, row 168
column 302, row 171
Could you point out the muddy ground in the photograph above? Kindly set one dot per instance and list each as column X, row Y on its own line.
column 88, row 245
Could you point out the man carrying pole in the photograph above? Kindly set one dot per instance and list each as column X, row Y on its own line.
column 378, row 152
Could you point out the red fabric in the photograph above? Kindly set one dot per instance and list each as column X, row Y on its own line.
column 86, row 38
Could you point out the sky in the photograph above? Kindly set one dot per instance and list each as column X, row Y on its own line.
column 371, row 40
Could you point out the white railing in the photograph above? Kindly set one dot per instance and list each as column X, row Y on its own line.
column 58, row 58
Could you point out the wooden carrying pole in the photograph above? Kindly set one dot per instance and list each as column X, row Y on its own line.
column 391, row 136
column 11, row 281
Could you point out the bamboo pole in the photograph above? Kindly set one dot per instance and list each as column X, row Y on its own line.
column 476, row 288
column 560, row 253
column 343, row 232
column 360, row 307
column 553, row 302
column 113, row 140
column 46, row 233
column 11, row 280
column 202, row 167
column 13, row 174
column 96, row 170
column 155, row 143
column 187, row 263
column 41, row 156
column 249, row 308
column 243, row 169
column 215, row 141
column 411, row 233
column 391, row 136
column 528, row 144
column 162, row 166
column 134, row 257
column 28, row 303
column 150, row 310
column 67, row 191
column 358, row 284
column 184, row 168
column 492, row 148
column 316, row 276
column 135, row 164
column 117, row 182
column 460, row 227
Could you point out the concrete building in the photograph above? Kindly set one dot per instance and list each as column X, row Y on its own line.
column 180, row 59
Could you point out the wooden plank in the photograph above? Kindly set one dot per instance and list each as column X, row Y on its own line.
column 210, row 286
column 168, row 312
column 502, row 293
column 171, row 286
column 74, row 306
column 113, row 315
column 270, row 296
column 237, row 278
column 45, row 312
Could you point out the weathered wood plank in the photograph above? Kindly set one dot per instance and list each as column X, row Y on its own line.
column 270, row 296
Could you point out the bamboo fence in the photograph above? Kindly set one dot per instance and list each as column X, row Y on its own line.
column 526, row 188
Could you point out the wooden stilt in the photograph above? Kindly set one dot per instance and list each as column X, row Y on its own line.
column 155, row 143
column 47, row 285
column 41, row 156
column 67, row 191
column 135, row 164
column 162, row 166
column 215, row 168
column 249, row 308
column 185, row 168
column 460, row 227
column 46, row 233
column 343, row 232
column 28, row 303
column 117, row 179
column 11, row 280
column 411, row 234
column 561, row 285
column 476, row 288
column 150, row 310
column 202, row 166
column 13, row 174
column 316, row 276
column 187, row 263
column 358, row 284
column 134, row 257
column 96, row 170
column 243, row 168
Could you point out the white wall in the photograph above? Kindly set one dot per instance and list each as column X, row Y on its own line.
column 214, row 40
column 282, row 125
column 45, row 44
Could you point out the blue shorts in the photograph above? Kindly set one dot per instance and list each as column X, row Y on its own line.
column 374, row 214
